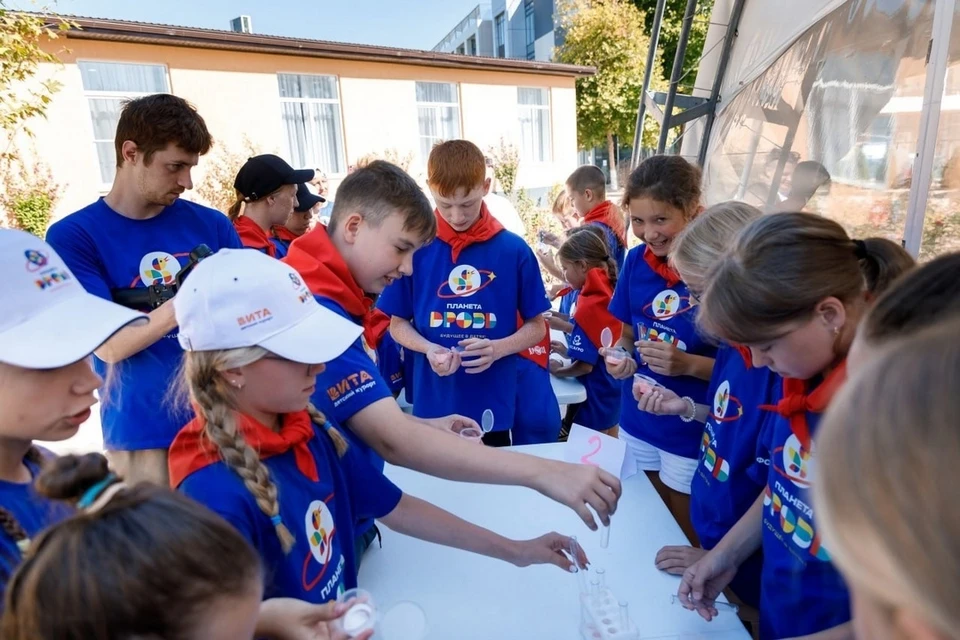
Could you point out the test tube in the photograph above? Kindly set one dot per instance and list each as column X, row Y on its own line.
column 602, row 578
column 594, row 587
column 581, row 574
column 605, row 537
column 624, row 615
column 719, row 606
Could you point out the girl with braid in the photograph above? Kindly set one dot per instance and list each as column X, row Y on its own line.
column 273, row 466
column 48, row 330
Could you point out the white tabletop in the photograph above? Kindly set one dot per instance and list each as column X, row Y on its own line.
column 471, row 597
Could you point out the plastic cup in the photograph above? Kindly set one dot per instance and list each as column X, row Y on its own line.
column 472, row 434
column 616, row 355
column 643, row 384
column 362, row 614
column 403, row 621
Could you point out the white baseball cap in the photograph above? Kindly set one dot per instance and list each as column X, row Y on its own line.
column 244, row 298
column 48, row 319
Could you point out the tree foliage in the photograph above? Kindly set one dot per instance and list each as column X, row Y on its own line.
column 608, row 35
column 670, row 37
column 22, row 36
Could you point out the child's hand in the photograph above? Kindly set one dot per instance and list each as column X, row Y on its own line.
column 558, row 323
column 443, row 361
column 550, row 239
column 454, row 423
column 549, row 549
column 290, row 619
column 478, row 354
column 661, row 402
column 676, row 560
column 663, row 357
column 556, row 289
column 555, row 365
column 558, row 347
column 704, row 581
column 619, row 370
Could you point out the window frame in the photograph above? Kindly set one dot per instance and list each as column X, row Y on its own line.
column 329, row 171
column 547, row 110
column 437, row 106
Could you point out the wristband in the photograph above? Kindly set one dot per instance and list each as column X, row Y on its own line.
column 693, row 409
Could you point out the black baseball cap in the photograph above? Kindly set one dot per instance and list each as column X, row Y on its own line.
column 306, row 199
column 262, row 175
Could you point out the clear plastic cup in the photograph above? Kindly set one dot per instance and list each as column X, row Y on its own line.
column 643, row 385
column 361, row 616
column 616, row 355
column 472, row 434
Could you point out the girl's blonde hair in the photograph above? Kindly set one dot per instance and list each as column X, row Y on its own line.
column 702, row 242
column 887, row 447
column 213, row 400
column 588, row 245
column 241, row 202
column 782, row 265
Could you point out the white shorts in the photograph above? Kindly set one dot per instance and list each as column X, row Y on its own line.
column 676, row 472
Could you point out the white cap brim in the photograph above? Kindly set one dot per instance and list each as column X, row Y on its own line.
column 318, row 338
column 65, row 333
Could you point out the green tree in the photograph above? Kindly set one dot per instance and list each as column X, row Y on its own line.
column 608, row 35
column 22, row 98
column 670, row 37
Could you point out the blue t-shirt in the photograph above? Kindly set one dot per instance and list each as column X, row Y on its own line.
column 106, row 251
column 643, row 299
column 617, row 250
column 282, row 246
column 537, row 417
column 479, row 296
column 722, row 489
column 568, row 303
column 32, row 511
column 320, row 515
column 801, row 592
column 601, row 409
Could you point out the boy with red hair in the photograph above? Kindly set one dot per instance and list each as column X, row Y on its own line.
column 470, row 315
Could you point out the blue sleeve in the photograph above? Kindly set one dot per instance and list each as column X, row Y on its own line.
column 229, row 500
column 390, row 363
column 620, row 304
column 227, row 234
column 533, row 298
column 579, row 347
column 77, row 249
column 759, row 470
column 397, row 299
column 372, row 495
column 350, row 383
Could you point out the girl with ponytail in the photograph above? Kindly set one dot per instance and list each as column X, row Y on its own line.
column 591, row 271
column 793, row 289
column 262, row 457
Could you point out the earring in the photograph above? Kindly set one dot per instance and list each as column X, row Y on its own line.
column 236, row 384
column 836, row 332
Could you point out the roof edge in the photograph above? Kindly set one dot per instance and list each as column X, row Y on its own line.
column 147, row 33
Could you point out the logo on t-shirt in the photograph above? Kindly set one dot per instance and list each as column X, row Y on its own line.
column 35, row 260
column 666, row 304
column 320, row 530
column 797, row 462
column 722, row 401
column 464, row 281
column 159, row 267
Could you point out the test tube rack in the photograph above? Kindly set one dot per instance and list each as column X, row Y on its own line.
column 603, row 617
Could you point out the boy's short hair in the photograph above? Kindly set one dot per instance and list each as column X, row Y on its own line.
column 377, row 191
column 155, row 121
column 455, row 164
column 588, row 177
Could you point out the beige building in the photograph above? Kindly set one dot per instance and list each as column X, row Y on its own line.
column 318, row 104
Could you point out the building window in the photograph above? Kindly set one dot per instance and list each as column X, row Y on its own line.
column 310, row 108
column 106, row 86
column 528, row 27
column 534, row 108
column 472, row 46
column 461, row 49
column 438, row 110
column 500, row 35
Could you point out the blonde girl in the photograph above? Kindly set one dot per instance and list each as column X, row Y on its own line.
column 273, row 466
column 793, row 289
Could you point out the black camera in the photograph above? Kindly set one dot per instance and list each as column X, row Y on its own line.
column 154, row 295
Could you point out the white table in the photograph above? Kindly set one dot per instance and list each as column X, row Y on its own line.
column 471, row 597
column 567, row 390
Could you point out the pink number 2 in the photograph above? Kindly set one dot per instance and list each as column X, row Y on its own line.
column 587, row 458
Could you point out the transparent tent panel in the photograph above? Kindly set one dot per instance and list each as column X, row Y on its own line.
column 941, row 224
column 846, row 95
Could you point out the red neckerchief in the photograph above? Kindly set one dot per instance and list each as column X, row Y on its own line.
column 660, row 267
column 326, row 274
column 610, row 215
column 745, row 354
column 540, row 352
column 592, row 313
column 563, row 292
column 192, row 450
column 253, row 237
column 482, row 230
column 796, row 402
column 283, row 234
